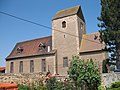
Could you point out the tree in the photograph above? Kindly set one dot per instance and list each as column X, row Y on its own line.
column 84, row 74
column 104, row 66
column 110, row 28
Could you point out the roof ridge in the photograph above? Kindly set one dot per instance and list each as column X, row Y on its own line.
column 91, row 33
column 66, row 12
column 34, row 39
column 94, row 32
column 68, row 8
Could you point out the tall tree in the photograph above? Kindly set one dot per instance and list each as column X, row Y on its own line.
column 110, row 28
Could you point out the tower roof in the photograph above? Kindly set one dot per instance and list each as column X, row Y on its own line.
column 68, row 12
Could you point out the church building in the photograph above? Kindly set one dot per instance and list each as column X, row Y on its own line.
column 54, row 53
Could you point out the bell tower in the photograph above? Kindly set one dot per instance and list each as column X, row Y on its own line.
column 68, row 26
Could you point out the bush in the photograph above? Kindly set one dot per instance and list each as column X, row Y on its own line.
column 84, row 74
column 23, row 87
column 104, row 67
column 101, row 87
column 114, row 86
column 53, row 84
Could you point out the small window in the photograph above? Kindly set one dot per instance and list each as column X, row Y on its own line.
column 31, row 66
column 42, row 46
column 19, row 49
column 11, row 67
column 21, row 67
column 43, row 65
column 64, row 36
column 63, row 24
column 81, row 25
column 65, row 61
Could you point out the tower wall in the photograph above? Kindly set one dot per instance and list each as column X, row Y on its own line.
column 66, row 40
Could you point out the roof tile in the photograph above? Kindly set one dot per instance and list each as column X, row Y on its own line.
column 31, row 48
column 91, row 42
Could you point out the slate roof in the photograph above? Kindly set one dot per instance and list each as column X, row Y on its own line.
column 91, row 42
column 68, row 12
column 31, row 48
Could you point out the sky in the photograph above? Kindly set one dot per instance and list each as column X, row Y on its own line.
column 13, row 30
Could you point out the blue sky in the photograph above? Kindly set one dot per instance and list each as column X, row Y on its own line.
column 41, row 11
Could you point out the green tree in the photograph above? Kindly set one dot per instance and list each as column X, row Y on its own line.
column 104, row 67
column 84, row 74
column 110, row 28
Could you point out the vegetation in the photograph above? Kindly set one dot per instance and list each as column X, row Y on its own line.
column 53, row 84
column 84, row 74
column 66, row 86
column 101, row 87
column 104, row 67
column 23, row 87
column 115, row 86
column 110, row 28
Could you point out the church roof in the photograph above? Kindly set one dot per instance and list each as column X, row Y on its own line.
column 91, row 42
column 68, row 12
column 31, row 48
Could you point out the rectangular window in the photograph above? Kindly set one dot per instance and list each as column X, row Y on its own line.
column 31, row 66
column 43, row 65
column 11, row 67
column 21, row 67
column 65, row 61
column 81, row 25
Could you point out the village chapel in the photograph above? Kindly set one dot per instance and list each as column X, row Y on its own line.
column 54, row 53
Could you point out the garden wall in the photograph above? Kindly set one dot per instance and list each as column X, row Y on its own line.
column 25, row 79
column 108, row 78
column 33, row 79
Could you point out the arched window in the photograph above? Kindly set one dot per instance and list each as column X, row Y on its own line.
column 63, row 24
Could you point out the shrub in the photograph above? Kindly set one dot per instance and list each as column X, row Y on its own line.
column 84, row 74
column 115, row 85
column 23, row 87
column 101, row 87
column 104, row 67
